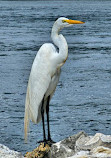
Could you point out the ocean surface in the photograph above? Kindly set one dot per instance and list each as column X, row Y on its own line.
column 82, row 100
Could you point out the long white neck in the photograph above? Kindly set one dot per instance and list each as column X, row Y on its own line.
column 61, row 43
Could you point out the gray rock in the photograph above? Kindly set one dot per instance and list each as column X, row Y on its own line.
column 5, row 152
column 66, row 148
column 83, row 146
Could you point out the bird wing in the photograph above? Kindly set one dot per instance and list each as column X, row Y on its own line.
column 39, row 80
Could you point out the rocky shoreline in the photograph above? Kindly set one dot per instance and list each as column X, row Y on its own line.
column 77, row 146
column 5, row 152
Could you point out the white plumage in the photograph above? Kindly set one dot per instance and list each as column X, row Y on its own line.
column 45, row 73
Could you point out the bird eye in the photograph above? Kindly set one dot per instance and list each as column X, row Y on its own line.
column 63, row 21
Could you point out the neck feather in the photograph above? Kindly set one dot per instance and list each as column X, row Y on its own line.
column 60, row 42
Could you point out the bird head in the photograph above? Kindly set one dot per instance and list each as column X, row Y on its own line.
column 65, row 22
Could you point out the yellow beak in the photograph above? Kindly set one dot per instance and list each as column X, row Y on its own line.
column 74, row 21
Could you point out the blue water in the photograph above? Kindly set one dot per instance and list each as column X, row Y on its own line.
column 82, row 100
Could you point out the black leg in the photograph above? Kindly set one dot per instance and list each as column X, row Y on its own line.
column 50, row 141
column 47, row 111
column 42, row 113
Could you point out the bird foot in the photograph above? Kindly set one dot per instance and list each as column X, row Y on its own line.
column 43, row 142
column 49, row 142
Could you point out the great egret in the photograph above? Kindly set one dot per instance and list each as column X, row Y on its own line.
column 44, row 76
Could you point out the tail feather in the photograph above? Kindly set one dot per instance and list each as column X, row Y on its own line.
column 26, row 116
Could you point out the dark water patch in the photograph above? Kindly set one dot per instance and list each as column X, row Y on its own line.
column 8, row 93
column 2, row 55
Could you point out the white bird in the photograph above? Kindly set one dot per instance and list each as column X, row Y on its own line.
column 44, row 76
